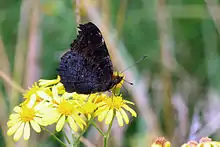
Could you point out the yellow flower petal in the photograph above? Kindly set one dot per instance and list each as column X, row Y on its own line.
column 100, row 104
column 67, row 95
column 125, row 116
column 13, row 128
column 44, row 95
column 133, row 113
column 50, row 116
column 32, row 101
column 109, row 117
column 19, row 132
column 35, row 126
column 128, row 102
column 100, row 110
column 60, row 123
column 102, row 115
column 40, row 121
column 45, row 83
column 79, row 121
column 17, row 109
column 12, row 122
column 54, row 91
column 14, row 116
column 41, row 106
column 26, row 131
column 119, row 118
column 72, row 124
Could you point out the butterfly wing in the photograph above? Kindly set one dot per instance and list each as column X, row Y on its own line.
column 86, row 67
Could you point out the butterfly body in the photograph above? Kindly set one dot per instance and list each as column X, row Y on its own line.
column 87, row 68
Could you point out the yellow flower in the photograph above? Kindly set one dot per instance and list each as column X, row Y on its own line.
column 45, row 83
column 89, row 104
column 22, row 118
column 32, row 90
column 64, row 108
column 34, row 94
column 114, row 105
column 161, row 142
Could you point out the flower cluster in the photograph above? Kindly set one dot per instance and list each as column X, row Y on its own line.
column 203, row 142
column 47, row 102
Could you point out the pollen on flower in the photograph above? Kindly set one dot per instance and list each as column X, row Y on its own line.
column 27, row 114
column 65, row 107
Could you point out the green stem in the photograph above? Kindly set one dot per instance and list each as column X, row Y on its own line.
column 100, row 131
column 108, row 131
column 78, row 139
column 54, row 136
column 105, row 141
column 66, row 137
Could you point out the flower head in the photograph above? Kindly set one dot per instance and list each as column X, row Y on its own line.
column 34, row 94
column 161, row 142
column 114, row 105
column 64, row 109
column 23, row 117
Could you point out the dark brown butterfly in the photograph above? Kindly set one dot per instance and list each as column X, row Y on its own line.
column 86, row 67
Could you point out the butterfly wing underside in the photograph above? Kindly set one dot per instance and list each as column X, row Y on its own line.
column 86, row 67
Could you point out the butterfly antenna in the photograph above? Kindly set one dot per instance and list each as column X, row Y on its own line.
column 143, row 58
column 129, row 82
column 125, row 88
column 136, row 62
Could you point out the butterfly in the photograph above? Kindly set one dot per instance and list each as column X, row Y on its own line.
column 87, row 67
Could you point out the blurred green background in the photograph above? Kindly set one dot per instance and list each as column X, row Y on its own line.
column 176, row 89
